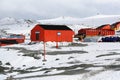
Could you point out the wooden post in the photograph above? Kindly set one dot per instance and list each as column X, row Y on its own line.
column 44, row 52
column 57, row 37
column 57, row 44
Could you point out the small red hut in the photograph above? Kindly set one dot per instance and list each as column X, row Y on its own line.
column 57, row 33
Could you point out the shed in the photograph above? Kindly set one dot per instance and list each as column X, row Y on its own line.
column 57, row 33
column 116, row 26
column 106, row 26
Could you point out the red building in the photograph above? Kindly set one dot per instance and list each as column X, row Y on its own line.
column 57, row 33
column 116, row 26
column 95, row 32
column 12, row 39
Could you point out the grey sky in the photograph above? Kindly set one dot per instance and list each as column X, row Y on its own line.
column 42, row 9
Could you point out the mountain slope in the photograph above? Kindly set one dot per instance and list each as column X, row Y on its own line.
column 16, row 26
column 90, row 21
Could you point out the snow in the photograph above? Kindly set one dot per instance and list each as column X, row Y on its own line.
column 72, row 77
column 106, row 75
column 2, row 77
column 8, row 56
column 61, row 21
column 8, row 21
column 93, row 49
column 102, row 16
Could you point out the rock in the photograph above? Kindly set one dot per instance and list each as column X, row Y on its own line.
column 0, row 62
column 7, row 63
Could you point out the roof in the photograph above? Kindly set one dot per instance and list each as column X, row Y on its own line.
column 55, row 27
column 114, row 24
column 102, row 26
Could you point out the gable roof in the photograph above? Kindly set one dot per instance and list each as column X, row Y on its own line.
column 54, row 27
column 114, row 24
column 102, row 26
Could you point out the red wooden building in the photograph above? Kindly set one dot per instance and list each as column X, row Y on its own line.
column 12, row 39
column 106, row 26
column 57, row 33
column 95, row 32
column 116, row 26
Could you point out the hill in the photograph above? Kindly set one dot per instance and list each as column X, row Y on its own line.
column 92, row 21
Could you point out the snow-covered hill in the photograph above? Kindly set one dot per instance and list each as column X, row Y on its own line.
column 101, row 20
column 16, row 26
column 61, row 20
column 8, row 21
column 12, row 21
column 92, row 21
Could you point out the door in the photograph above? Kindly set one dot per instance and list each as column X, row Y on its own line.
column 37, row 33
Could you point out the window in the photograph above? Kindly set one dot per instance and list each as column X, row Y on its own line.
column 58, row 33
column 37, row 32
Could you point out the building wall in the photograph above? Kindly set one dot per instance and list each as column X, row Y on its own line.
column 96, row 32
column 59, row 35
column 33, row 34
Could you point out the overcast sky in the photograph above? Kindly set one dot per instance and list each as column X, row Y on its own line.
column 43, row 9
